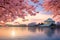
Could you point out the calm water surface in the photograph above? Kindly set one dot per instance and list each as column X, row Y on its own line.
column 29, row 33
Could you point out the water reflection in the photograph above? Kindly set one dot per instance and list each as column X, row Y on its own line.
column 29, row 33
column 50, row 32
column 32, row 29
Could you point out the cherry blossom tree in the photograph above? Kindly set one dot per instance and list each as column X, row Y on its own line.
column 52, row 5
column 11, row 9
column 35, row 1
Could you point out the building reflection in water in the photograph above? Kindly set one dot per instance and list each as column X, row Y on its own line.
column 50, row 32
column 32, row 29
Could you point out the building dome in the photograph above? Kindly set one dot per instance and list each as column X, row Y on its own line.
column 49, row 20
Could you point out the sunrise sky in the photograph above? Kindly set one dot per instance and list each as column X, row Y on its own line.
column 40, row 17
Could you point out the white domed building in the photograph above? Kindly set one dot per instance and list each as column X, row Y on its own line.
column 48, row 22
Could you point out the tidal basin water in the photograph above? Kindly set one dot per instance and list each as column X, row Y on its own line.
column 29, row 33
